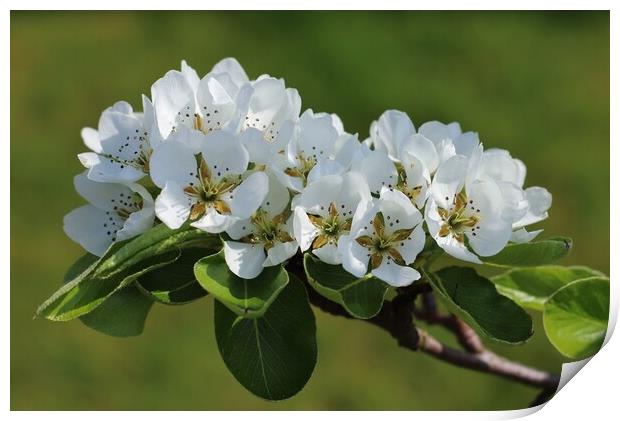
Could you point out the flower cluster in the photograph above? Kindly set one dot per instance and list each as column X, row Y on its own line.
column 233, row 156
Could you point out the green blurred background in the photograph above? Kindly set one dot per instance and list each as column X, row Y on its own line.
column 534, row 83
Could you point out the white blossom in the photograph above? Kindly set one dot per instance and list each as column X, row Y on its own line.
column 114, row 212
column 324, row 212
column 316, row 146
column 233, row 156
column 265, row 239
column 386, row 236
column 120, row 146
column 213, row 189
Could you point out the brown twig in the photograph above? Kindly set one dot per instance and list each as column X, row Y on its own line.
column 396, row 317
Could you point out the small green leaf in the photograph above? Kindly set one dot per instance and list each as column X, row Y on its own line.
column 535, row 253
column 531, row 287
column 122, row 314
column 475, row 300
column 79, row 266
column 122, row 263
column 361, row 297
column 246, row 297
column 575, row 317
column 272, row 356
column 175, row 283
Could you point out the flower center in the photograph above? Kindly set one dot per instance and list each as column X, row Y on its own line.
column 331, row 227
column 380, row 243
column 411, row 192
column 208, row 192
column 269, row 231
column 303, row 168
column 461, row 217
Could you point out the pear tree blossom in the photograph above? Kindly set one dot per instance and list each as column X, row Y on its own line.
column 385, row 238
column 324, row 212
column 317, row 146
column 120, row 146
column 114, row 212
column 264, row 239
column 213, row 188
column 227, row 153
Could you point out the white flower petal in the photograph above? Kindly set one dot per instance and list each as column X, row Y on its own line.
column 394, row 274
column 105, row 196
column 214, row 222
column 398, row 211
column 224, row 154
column 317, row 197
column 328, row 254
column 259, row 150
column 499, row 165
column 491, row 237
column 346, row 148
column 466, row 144
column 231, row 67
column 137, row 223
column 91, row 228
column 317, row 136
column 280, row 253
column 437, row 132
column 423, row 149
column 190, row 75
column 269, row 95
column 240, row 229
column 173, row 161
column 173, row 206
column 393, row 130
column 354, row 257
column 304, row 230
column 409, row 249
column 150, row 123
column 244, row 260
column 324, row 168
column 449, row 180
column 362, row 218
column 539, row 201
column 516, row 203
column 277, row 198
column 91, row 139
column 523, row 236
column 417, row 177
column 215, row 104
column 249, row 195
column 378, row 169
column 105, row 170
column 172, row 94
column 456, row 249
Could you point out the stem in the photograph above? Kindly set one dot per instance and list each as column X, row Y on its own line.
column 396, row 318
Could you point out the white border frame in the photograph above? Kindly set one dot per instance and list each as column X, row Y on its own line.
column 591, row 395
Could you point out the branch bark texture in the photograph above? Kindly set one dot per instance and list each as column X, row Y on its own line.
column 397, row 317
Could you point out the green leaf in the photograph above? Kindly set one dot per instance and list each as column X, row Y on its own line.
column 531, row 287
column 122, row 263
column 474, row 299
column 245, row 297
column 175, row 283
column 361, row 297
column 79, row 266
column 272, row 356
column 575, row 317
column 535, row 253
column 122, row 314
